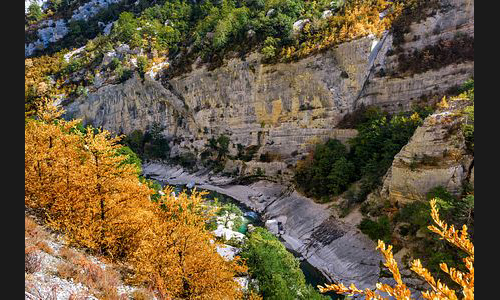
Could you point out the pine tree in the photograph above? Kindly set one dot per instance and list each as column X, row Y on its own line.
column 77, row 180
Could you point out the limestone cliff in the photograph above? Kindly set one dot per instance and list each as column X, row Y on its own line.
column 282, row 108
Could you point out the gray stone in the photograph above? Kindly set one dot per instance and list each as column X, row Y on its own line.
column 299, row 25
column 270, row 12
column 326, row 14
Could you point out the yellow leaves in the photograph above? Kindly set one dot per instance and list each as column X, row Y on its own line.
column 449, row 233
column 415, row 117
column 185, row 262
column 443, row 104
column 360, row 19
column 400, row 291
column 78, row 182
column 75, row 179
column 439, row 290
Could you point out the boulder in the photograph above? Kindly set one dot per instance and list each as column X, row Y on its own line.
column 326, row 14
column 227, row 252
column 299, row 25
column 227, row 234
column 270, row 12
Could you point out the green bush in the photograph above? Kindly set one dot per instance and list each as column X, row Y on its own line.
column 132, row 159
column 142, row 63
column 277, row 270
column 380, row 137
column 468, row 127
column 114, row 63
column 417, row 214
column 151, row 145
column 220, row 146
column 135, row 140
column 187, row 160
column 377, row 230
column 329, row 172
column 123, row 74
column 35, row 11
column 269, row 49
column 156, row 144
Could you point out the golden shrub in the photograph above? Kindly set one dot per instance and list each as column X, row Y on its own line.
column 77, row 181
column 360, row 19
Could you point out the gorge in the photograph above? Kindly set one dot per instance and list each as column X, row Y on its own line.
column 270, row 117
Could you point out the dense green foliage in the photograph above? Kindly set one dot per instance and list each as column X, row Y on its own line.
column 219, row 145
column 150, row 145
column 329, row 170
column 215, row 153
column 34, row 11
column 276, row 269
column 468, row 127
column 377, row 230
column 132, row 159
column 381, row 136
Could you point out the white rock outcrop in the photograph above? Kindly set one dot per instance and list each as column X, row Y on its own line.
column 52, row 31
column 299, row 25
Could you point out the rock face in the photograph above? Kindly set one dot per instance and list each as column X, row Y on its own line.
column 133, row 105
column 436, row 155
column 282, row 108
column 400, row 91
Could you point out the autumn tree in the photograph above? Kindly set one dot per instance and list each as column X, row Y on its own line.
column 186, row 264
column 439, row 290
column 81, row 186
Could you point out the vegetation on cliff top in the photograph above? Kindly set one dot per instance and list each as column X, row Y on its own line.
column 214, row 29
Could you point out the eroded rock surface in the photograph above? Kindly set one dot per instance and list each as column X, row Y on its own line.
column 282, row 108
column 436, row 155
column 338, row 250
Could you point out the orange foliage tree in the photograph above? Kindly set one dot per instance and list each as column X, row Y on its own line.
column 79, row 184
column 439, row 290
column 186, row 264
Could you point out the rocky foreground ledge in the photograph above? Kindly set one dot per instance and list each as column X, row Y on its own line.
column 338, row 250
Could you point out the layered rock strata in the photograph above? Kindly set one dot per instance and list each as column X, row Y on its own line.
column 436, row 155
column 282, row 108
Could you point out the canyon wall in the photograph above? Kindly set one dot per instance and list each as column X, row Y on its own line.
column 282, row 108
